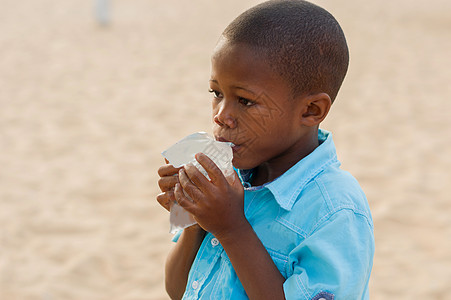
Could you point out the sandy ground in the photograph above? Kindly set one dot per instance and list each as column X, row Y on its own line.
column 86, row 111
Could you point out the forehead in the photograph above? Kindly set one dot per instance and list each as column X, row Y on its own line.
column 240, row 63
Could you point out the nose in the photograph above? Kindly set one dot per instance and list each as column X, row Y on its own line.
column 224, row 115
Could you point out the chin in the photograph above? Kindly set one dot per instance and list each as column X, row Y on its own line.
column 243, row 165
column 237, row 163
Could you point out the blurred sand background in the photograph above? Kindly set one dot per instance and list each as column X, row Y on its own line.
column 86, row 110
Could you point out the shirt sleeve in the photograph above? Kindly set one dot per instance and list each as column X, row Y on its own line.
column 177, row 235
column 335, row 261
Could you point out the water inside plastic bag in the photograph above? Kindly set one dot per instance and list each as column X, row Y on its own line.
column 183, row 152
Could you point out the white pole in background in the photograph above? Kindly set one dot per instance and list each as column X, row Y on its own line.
column 102, row 11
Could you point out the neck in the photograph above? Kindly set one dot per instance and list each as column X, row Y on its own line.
column 270, row 170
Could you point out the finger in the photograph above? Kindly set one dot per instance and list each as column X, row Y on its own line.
column 233, row 179
column 167, row 183
column 167, row 170
column 167, row 161
column 212, row 169
column 166, row 199
column 191, row 189
column 182, row 200
column 197, row 177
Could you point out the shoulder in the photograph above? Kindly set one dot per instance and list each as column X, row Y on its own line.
column 339, row 190
column 331, row 192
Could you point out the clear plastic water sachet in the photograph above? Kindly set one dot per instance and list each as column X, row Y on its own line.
column 183, row 152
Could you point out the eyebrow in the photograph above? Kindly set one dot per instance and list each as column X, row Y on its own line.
column 237, row 87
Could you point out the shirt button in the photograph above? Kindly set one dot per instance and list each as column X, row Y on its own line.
column 214, row 242
column 322, row 298
column 195, row 285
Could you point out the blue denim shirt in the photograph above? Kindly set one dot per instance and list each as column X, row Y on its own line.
column 314, row 221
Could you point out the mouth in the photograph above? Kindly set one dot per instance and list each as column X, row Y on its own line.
column 235, row 147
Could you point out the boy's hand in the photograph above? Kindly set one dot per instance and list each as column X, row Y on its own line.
column 218, row 205
column 169, row 177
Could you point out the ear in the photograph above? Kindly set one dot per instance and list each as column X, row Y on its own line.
column 315, row 109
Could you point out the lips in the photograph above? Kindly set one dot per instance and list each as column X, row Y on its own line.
column 221, row 139
column 234, row 146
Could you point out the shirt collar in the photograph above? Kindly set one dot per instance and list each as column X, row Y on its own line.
column 287, row 187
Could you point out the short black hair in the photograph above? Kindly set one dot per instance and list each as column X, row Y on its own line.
column 303, row 43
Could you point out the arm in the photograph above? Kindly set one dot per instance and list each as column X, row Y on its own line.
column 334, row 261
column 259, row 275
column 218, row 207
column 180, row 259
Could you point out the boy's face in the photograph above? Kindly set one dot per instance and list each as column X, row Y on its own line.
column 253, row 108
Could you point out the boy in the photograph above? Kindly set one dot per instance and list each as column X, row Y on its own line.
column 291, row 224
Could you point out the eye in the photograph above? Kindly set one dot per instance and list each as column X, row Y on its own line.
column 245, row 102
column 215, row 93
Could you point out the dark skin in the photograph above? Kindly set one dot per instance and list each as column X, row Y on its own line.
column 238, row 79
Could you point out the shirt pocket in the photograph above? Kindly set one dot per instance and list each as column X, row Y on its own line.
column 280, row 260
